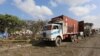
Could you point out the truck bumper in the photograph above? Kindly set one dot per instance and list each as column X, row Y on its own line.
column 48, row 39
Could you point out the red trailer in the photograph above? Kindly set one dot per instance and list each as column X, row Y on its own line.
column 70, row 26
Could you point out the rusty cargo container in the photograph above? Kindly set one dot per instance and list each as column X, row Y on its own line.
column 70, row 26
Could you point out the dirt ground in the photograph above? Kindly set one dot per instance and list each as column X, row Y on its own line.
column 86, row 47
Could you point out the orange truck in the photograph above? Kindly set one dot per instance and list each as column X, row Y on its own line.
column 60, row 28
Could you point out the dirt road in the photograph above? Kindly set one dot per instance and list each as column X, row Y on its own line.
column 91, row 47
column 87, row 47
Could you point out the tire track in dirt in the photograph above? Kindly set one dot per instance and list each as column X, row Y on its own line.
column 14, row 47
column 96, row 48
column 87, row 48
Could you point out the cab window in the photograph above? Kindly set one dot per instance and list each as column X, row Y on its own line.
column 49, row 27
column 55, row 27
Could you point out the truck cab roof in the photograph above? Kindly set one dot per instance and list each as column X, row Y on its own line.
column 51, row 24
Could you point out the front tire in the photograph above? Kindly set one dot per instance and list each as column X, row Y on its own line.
column 58, row 41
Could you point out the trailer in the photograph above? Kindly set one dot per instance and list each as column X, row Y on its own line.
column 60, row 28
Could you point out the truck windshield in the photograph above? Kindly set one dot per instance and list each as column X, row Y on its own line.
column 55, row 27
column 48, row 27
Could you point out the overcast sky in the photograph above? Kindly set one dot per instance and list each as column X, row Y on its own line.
column 87, row 10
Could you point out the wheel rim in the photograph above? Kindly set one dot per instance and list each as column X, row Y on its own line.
column 72, row 39
column 58, row 42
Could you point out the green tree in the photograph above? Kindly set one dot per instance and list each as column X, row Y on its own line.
column 11, row 22
column 37, row 27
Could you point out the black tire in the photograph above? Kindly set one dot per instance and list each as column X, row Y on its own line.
column 72, row 39
column 58, row 41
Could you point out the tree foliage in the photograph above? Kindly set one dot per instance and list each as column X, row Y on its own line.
column 11, row 22
column 37, row 27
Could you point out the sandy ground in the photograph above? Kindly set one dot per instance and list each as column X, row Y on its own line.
column 86, row 47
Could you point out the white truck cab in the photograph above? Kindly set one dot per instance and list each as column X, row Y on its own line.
column 52, row 32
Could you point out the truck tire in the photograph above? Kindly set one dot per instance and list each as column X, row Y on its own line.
column 58, row 41
column 74, row 38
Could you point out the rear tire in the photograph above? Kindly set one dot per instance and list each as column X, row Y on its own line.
column 58, row 41
column 74, row 38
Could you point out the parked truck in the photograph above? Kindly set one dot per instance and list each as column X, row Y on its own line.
column 86, row 28
column 60, row 28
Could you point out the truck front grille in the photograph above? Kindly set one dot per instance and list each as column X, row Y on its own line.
column 44, row 34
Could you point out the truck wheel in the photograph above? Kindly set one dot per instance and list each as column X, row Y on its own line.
column 58, row 41
column 72, row 39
